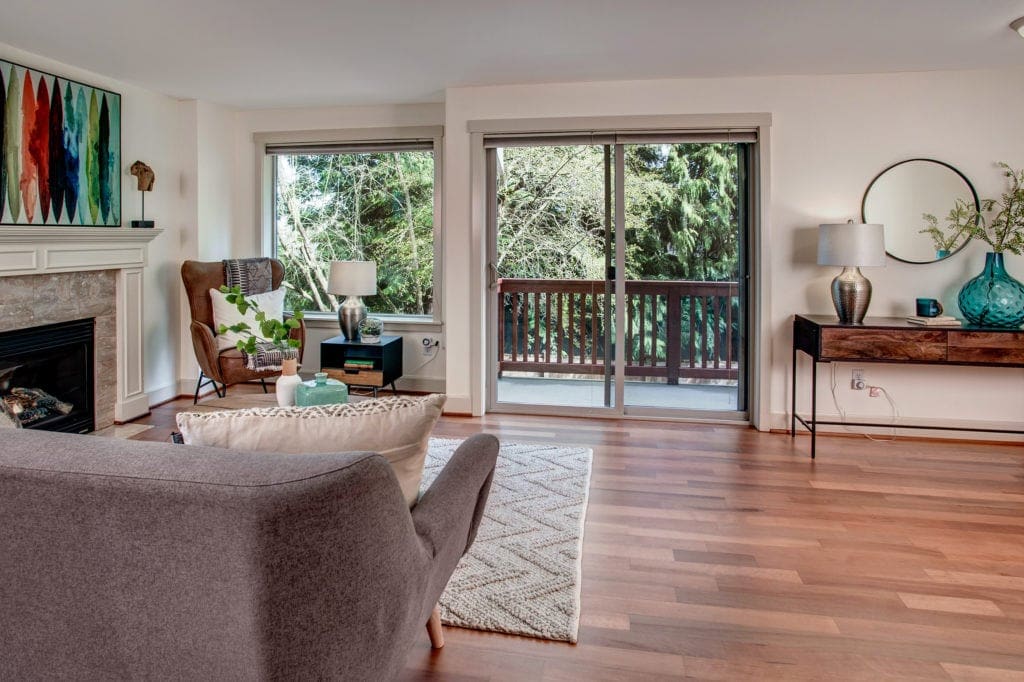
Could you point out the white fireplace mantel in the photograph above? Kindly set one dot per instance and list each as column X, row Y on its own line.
column 41, row 250
column 46, row 250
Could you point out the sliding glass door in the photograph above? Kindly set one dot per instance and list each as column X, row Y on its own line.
column 684, row 251
column 617, row 275
column 552, row 252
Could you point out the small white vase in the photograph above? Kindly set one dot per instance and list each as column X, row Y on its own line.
column 287, row 382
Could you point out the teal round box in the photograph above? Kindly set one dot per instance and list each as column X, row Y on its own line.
column 321, row 391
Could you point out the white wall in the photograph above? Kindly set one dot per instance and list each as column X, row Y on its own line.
column 830, row 136
column 246, row 236
column 216, row 185
column 151, row 130
column 208, row 191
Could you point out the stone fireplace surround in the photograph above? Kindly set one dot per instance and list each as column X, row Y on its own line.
column 57, row 274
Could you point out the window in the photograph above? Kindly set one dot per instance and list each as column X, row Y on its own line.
column 361, row 201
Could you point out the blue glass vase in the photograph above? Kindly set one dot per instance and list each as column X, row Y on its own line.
column 993, row 298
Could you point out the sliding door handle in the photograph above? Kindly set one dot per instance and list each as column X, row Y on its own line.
column 492, row 276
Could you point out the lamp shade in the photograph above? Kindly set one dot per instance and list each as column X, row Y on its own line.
column 851, row 244
column 353, row 278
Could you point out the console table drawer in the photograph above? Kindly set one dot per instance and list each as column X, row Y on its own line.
column 989, row 348
column 860, row 343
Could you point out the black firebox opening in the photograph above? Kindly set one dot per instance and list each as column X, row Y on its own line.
column 46, row 376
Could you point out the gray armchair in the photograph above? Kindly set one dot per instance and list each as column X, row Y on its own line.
column 124, row 559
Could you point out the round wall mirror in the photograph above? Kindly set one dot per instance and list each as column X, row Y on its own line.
column 903, row 194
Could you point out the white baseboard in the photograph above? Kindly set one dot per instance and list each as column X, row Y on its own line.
column 780, row 421
column 136, row 407
column 171, row 391
column 458, row 404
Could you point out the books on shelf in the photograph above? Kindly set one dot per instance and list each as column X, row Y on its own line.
column 939, row 321
column 354, row 363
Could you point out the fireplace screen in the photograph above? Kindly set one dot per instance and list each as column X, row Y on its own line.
column 46, row 376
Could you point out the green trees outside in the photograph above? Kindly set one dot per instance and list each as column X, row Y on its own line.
column 681, row 212
column 367, row 206
column 682, row 204
column 681, row 218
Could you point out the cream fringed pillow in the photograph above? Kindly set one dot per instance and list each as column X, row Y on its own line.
column 397, row 428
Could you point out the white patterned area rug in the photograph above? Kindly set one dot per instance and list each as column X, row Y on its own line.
column 522, row 574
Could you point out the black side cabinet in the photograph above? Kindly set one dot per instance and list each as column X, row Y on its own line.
column 373, row 365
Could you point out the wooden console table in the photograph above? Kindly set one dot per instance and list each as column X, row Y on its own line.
column 894, row 340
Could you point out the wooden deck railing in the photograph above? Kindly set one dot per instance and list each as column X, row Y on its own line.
column 673, row 329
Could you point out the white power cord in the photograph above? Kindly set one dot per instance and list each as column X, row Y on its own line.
column 842, row 412
column 436, row 350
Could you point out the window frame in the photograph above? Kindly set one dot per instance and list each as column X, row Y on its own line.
column 266, row 195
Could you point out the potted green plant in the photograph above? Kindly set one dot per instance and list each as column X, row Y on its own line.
column 370, row 330
column 994, row 298
column 271, row 331
column 954, row 233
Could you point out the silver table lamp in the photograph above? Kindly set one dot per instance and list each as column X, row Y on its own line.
column 352, row 279
column 852, row 246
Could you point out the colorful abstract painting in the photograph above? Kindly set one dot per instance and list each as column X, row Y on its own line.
column 61, row 150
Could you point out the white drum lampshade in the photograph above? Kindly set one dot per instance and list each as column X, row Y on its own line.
column 851, row 245
column 353, row 278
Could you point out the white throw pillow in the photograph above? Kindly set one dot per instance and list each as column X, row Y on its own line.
column 272, row 303
column 398, row 428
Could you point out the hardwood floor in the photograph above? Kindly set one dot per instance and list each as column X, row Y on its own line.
column 722, row 553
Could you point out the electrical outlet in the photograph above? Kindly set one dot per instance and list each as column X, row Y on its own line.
column 874, row 391
column 857, row 380
column 429, row 344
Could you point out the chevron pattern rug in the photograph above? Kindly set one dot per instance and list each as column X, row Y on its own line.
column 522, row 574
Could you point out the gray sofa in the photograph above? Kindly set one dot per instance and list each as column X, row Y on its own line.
column 132, row 560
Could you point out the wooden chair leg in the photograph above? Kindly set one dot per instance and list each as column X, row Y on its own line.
column 434, row 628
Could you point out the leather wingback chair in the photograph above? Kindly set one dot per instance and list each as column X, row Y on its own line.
column 228, row 366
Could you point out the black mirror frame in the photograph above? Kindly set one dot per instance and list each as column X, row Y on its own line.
column 970, row 185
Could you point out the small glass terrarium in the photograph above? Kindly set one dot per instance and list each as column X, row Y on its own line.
column 321, row 391
column 370, row 330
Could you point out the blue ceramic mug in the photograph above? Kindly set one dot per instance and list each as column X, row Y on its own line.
column 928, row 307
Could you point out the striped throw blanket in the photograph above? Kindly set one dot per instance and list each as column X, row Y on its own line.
column 254, row 276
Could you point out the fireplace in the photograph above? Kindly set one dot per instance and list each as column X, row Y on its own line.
column 46, row 376
column 51, row 274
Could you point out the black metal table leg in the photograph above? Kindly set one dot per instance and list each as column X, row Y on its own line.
column 814, row 406
column 792, row 411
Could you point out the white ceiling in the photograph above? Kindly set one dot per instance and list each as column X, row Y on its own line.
column 270, row 53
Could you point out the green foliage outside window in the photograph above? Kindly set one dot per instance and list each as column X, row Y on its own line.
column 682, row 204
column 682, row 220
column 365, row 206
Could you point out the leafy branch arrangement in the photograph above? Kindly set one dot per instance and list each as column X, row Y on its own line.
column 960, row 216
column 272, row 330
column 1004, row 231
